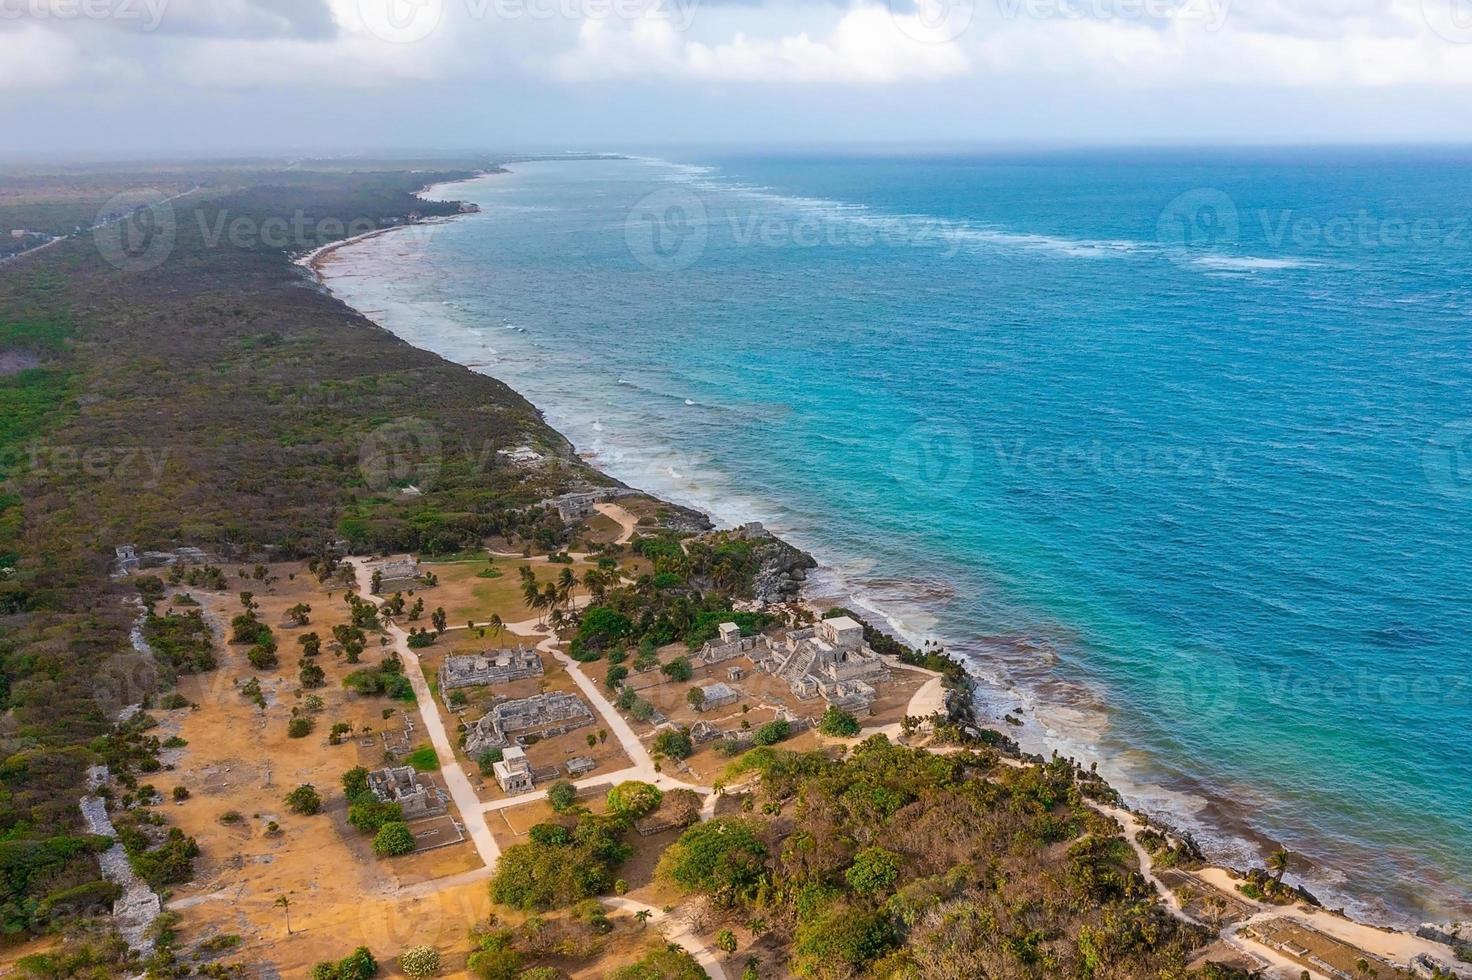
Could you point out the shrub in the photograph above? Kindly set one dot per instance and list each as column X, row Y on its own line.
column 311, row 676
column 370, row 817
column 263, row 657
column 632, row 799
column 487, row 759
column 678, row 669
column 304, row 800
column 842, row 937
column 181, row 793
column 838, row 723
column 355, row 785
column 420, row 961
column 772, row 732
column 357, row 965
column 563, row 796
column 674, row 743
column 299, row 727
column 874, row 870
column 393, row 839
column 661, row 964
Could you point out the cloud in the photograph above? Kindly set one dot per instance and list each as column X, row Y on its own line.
column 34, row 58
column 868, row 45
column 255, row 19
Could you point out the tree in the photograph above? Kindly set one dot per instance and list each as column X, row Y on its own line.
column 722, row 858
column 674, row 743
column 726, row 941
column 562, row 795
column 284, row 904
column 498, row 628
column 311, row 675
column 439, row 621
column 838, row 723
column 696, row 697
column 678, row 670
column 299, row 727
column 420, row 961
column 394, row 839
column 632, row 799
column 375, row 583
column 311, row 644
column 1278, row 862
column 299, row 614
column 643, row 916
column 304, row 800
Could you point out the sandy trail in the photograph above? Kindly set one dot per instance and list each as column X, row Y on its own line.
column 456, row 781
column 623, row 518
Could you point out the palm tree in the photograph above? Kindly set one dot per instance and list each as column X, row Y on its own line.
column 285, row 904
column 498, row 628
column 1278, row 864
column 643, row 916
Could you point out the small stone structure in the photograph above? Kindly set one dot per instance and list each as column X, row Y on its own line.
column 514, row 772
column 718, row 696
column 398, row 575
column 580, row 765
column 728, row 644
column 401, row 785
column 829, row 660
column 574, row 507
column 703, row 731
column 544, row 715
column 480, row 669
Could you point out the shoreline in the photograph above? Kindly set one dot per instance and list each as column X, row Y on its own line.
column 315, row 262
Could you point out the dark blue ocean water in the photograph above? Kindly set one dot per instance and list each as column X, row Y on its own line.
column 1176, row 447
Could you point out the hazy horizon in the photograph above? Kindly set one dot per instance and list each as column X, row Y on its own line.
column 123, row 79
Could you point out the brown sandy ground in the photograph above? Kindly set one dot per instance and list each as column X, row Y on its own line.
column 239, row 759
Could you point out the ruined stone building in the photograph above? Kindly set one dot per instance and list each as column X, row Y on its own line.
column 828, row 661
column 498, row 667
column 514, row 772
column 544, row 715
column 402, row 785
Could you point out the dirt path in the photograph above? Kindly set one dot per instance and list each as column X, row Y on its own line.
column 623, row 518
column 456, row 781
column 679, row 932
column 643, row 764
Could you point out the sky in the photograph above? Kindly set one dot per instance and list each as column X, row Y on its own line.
column 108, row 79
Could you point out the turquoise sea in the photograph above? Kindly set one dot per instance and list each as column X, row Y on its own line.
column 1175, row 447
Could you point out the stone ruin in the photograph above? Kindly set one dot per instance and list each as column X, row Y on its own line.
column 544, row 716
column 481, row 669
column 829, row 661
column 401, row 785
